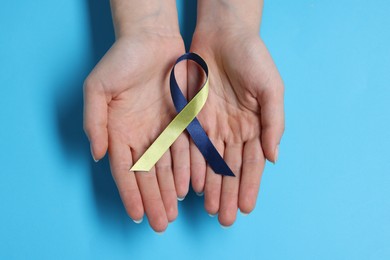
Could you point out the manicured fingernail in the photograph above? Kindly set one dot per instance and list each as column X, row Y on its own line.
column 160, row 232
column 276, row 153
column 93, row 157
column 244, row 214
column 212, row 215
column 138, row 221
column 224, row 227
column 181, row 198
column 200, row 194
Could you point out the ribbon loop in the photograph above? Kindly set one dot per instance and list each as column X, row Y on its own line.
column 185, row 119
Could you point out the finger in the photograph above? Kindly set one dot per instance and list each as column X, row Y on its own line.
column 230, row 185
column 252, row 170
column 120, row 162
column 95, row 118
column 272, row 116
column 212, row 189
column 198, row 169
column 181, row 165
column 151, row 197
column 167, row 185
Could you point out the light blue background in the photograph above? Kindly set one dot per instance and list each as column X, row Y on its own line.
column 327, row 198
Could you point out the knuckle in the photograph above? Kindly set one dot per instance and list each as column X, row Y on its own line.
column 91, row 84
column 236, row 167
column 87, row 128
column 163, row 167
column 88, row 82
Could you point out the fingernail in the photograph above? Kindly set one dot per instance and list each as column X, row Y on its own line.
column 276, row 153
column 181, row 198
column 200, row 194
column 212, row 215
column 159, row 232
column 138, row 221
column 244, row 214
column 224, row 227
column 93, row 157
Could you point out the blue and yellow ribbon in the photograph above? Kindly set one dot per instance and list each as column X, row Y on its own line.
column 185, row 119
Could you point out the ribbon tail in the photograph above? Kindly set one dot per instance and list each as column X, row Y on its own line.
column 208, row 150
column 171, row 132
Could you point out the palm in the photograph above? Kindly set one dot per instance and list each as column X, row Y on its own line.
column 239, row 71
column 140, row 105
column 232, row 111
column 133, row 76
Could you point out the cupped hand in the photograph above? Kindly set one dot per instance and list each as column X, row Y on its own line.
column 127, row 104
column 243, row 116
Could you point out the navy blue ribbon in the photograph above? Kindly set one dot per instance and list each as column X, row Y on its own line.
column 195, row 129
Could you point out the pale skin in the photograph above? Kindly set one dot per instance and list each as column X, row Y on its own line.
column 128, row 103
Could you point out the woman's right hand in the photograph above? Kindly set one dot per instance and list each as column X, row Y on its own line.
column 127, row 104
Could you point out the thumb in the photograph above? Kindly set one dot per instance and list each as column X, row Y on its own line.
column 95, row 118
column 271, row 101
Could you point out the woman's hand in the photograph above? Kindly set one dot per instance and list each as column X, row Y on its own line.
column 243, row 116
column 127, row 104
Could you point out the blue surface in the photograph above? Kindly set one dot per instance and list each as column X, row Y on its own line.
column 327, row 198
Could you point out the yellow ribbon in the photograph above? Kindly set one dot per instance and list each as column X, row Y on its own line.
column 172, row 131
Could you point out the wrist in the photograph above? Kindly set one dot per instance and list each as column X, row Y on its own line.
column 158, row 17
column 229, row 15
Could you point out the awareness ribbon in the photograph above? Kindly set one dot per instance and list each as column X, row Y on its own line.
column 185, row 119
